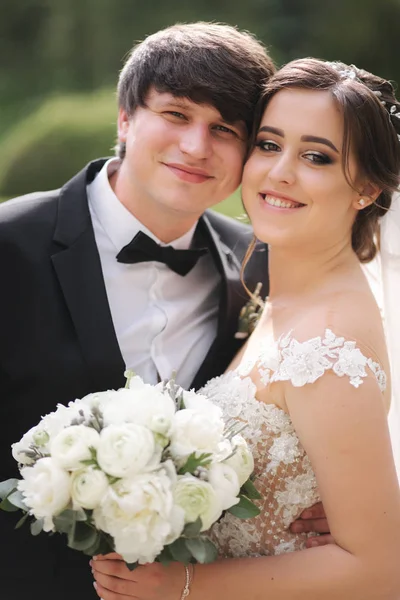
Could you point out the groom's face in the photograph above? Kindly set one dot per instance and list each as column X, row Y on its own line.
column 180, row 156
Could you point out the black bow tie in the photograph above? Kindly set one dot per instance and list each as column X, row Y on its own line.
column 143, row 249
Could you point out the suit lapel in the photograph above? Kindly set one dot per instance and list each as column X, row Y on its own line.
column 78, row 269
column 233, row 296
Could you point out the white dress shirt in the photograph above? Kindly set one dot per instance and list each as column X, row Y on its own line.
column 163, row 322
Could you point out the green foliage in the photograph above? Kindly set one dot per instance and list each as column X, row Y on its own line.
column 194, row 461
column 44, row 150
column 245, row 509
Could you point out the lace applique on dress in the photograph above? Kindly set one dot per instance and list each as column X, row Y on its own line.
column 284, row 475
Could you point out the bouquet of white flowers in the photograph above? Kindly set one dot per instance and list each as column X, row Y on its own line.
column 141, row 471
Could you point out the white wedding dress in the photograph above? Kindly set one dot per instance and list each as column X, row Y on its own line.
column 284, row 475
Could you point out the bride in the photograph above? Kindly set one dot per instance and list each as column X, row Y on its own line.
column 312, row 382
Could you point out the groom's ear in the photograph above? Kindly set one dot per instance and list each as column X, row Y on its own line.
column 123, row 125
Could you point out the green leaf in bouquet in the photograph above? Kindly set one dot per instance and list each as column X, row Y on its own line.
column 179, row 551
column 202, row 549
column 245, row 509
column 65, row 521
column 7, row 506
column 92, row 461
column 195, row 461
column 249, row 490
column 82, row 537
column 22, row 520
column 132, row 566
column 192, row 530
column 17, row 499
column 37, row 527
column 7, row 487
column 165, row 557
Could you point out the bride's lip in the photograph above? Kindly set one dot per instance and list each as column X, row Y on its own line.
column 186, row 173
column 279, row 196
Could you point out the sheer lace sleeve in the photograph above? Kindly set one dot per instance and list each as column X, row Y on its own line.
column 305, row 362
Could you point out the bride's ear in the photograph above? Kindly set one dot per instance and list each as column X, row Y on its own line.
column 367, row 195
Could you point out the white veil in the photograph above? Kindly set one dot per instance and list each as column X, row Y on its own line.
column 384, row 277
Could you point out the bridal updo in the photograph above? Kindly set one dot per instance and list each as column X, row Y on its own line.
column 371, row 117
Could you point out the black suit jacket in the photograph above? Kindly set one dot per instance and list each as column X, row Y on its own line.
column 57, row 343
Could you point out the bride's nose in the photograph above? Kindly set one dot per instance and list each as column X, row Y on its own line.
column 282, row 169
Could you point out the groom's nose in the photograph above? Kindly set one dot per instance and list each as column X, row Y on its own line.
column 196, row 141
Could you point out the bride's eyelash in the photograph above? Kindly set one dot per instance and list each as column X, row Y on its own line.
column 267, row 145
column 318, row 158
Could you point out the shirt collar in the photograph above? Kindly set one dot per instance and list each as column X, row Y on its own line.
column 119, row 224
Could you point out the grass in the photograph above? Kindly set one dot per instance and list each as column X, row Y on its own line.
column 232, row 207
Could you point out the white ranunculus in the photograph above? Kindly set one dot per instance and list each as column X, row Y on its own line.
column 73, row 445
column 88, row 487
column 98, row 400
column 242, row 461
column 140, row 515
column 225, row 483
column 198, row 499
column 195, row 401
column 46, row 490
column 28, row 440
column 126, row 449
column 141, row 404
column 194, row 431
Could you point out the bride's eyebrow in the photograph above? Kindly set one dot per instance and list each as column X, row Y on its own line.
column 304, row 138
column 319, row 140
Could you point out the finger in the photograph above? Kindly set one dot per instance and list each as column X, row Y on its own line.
column 105, row 594
column 114, row 585
column 319, row 540
column 314, row 512
column 115, row 568
column 110, row 556
column 310, row 526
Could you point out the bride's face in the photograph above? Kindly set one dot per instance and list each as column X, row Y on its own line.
column 294, row 188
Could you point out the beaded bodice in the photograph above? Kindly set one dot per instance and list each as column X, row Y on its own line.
column 284, row 475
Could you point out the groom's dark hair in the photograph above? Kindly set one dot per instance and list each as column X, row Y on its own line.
column 207, row 63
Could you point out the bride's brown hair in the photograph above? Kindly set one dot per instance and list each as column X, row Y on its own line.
column 371, row 127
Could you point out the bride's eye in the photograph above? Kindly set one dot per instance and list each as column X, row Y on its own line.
column 318, row 158
column 268, row 146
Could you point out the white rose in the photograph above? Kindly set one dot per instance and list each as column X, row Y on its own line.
column 225, row 483
column 73, row 445
column 56, row 421
column 46, row 490
column 144, row 405
column 98, row 400
column 126, row 449
column 140, row 515
column 88, row 487
column 198, row 499
column 194, row 432
column 242, row 461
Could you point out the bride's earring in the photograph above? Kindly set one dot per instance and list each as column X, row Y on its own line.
column 361, row 202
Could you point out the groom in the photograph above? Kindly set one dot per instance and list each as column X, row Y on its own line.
column 89, row 287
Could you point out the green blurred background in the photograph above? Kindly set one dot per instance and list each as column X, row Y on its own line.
column 59, row 62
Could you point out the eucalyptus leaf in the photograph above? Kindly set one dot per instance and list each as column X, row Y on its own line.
column 245, row 509
column 202, row 549
column 17, row 499
column 82, row 536
column 132, row 566
column 7, row 506
column 193, row 529
column 7, row 487
column 249, row 490
column 180, row 551
column 37, row 527
column 22, row 520
column 165, row 557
